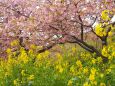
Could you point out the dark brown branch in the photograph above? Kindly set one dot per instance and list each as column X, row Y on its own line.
column 46, row 48
column 88, row 47
column 81, row 26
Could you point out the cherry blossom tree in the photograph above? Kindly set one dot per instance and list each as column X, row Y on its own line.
column 50, row 22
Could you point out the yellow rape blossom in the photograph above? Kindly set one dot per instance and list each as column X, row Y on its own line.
column 16, row 82
column 110, row 33
column 30, row 52
column 92, row 77
column 105, row 51
column 99, row 59
column 93, row 71
column 39, row 56
column 70, row 83
column 113, row 54
column 23, row 73
column 73, row 49
column 14, row 43
column 104, row 33
column 48, row 63
column 99, row 29
column 72, row 69
column 86, row 84
column 32, row 46
column 101, row 75
column 79, row 63
column 23, row 57
column 108, row 70
column 6, row 74
column 85, row 70
column 102, row 84
column 59, row 68
column 95, row 83
column 93, row 61
column 104, row 15
column 65, row 64
column 8, row 50
column 46, row 53
column 31, row 77
column 59, row 56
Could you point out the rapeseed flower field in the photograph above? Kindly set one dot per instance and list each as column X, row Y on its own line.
column 71, row 68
